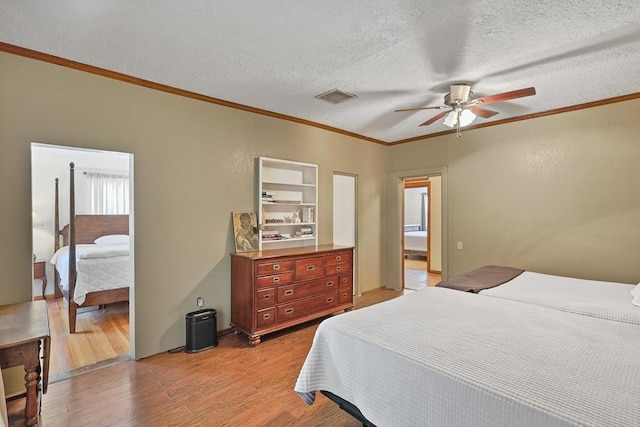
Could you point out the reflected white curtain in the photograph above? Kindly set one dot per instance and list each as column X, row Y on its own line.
column 107, row 194
column 423, row 213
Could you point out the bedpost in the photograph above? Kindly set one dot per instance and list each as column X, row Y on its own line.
column 56, row 241
column 72, row 250
column 56, row 221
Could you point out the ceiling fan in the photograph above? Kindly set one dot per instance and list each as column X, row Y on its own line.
column 462, row 108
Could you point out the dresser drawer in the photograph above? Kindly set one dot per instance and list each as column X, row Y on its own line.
column 264, row 268
column 265, row 298
column 274, row 280
column 339, row 258
column 309, row 268
column 338, row 269
column 296, row 291
column 346, row 295
column 266, row 317
column 307, row 306
column 346, row 281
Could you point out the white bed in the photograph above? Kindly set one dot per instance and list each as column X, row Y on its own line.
column 99, row 268
column 441, row 357
column 609, row 300
column 415, row 240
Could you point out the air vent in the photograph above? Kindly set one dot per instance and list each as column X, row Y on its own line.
column 335, row 96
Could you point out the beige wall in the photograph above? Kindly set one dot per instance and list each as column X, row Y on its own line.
column 557, row 194
column 194, row 163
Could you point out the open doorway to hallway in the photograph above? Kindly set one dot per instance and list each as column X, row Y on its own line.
column 103, row 187
column 421, row 248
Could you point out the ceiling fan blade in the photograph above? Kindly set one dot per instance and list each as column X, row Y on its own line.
column 419, row 108
column 435, row 118
column 483, row 112
column 505, row 96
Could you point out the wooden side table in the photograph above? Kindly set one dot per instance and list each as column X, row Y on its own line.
column 24, row 328
column 40, row 272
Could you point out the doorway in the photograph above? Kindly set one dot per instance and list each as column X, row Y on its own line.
column 421, row 251
column 344, row 215
column 103, row 333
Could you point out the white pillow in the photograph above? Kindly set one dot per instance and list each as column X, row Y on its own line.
column 112, row 239
column 636, row 295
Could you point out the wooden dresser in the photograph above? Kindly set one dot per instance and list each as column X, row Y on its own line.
column 275, row 289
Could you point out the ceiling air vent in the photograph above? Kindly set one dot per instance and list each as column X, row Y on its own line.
column 335, row 96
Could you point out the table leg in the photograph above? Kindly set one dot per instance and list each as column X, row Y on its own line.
column 32, row 380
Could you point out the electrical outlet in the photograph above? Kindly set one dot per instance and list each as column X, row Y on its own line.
column 200, row 302
column 460, row 245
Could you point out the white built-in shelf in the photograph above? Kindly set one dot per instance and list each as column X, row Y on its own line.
column 288, row 183
column 289, row 239
column 295, row 183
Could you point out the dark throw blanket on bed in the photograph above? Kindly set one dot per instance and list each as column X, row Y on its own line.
column 482, row 278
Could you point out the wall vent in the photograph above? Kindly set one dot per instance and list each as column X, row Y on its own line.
column 335, row 96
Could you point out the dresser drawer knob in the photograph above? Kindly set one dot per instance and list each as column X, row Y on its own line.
column 276, row 279
column 338, row 268
column 288, row 292
column 330, row 300
column 267, row 296
column 266, row 316
column 288, row 311
column 276, row 266
column 344, row 295
column 344, row 280
column 330, row 283
column 338, row 258
column 310, row 267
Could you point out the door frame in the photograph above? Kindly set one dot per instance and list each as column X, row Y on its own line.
column 355, row 273
column 420, row 182
column 395, row 219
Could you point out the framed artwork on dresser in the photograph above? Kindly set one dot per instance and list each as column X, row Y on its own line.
column 245, row 231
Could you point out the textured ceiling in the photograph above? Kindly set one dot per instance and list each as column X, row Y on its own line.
column 277, row 55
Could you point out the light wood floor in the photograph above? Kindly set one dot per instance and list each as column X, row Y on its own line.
column 416, row 275
column 230, row 385
column 101, row 335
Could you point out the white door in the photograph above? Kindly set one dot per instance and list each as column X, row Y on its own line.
column 344, row 214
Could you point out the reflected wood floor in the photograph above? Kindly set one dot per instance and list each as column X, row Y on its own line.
column 230, row 385
column 101, row 334
column 416, row 275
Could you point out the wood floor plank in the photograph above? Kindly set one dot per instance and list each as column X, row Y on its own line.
column 102, row 334
column 233, row 384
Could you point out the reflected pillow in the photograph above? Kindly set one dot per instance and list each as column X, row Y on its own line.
column 636, row 295
column 112, row 239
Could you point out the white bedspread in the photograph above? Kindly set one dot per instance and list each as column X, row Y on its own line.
column 415, row 240
column 608, row 300
column 99, row 268
column 440, row 357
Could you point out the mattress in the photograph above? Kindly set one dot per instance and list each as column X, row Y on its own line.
column 441, row 357
column 98, row 268
column 415, row 241
column 607, row 300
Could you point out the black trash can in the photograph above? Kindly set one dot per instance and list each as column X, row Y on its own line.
column 201, row 330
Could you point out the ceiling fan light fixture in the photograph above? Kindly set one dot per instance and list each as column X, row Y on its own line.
column 451, row 119
column 466, row 118
column 460, row 92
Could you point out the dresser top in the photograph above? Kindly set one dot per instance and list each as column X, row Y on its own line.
column 300, row 250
